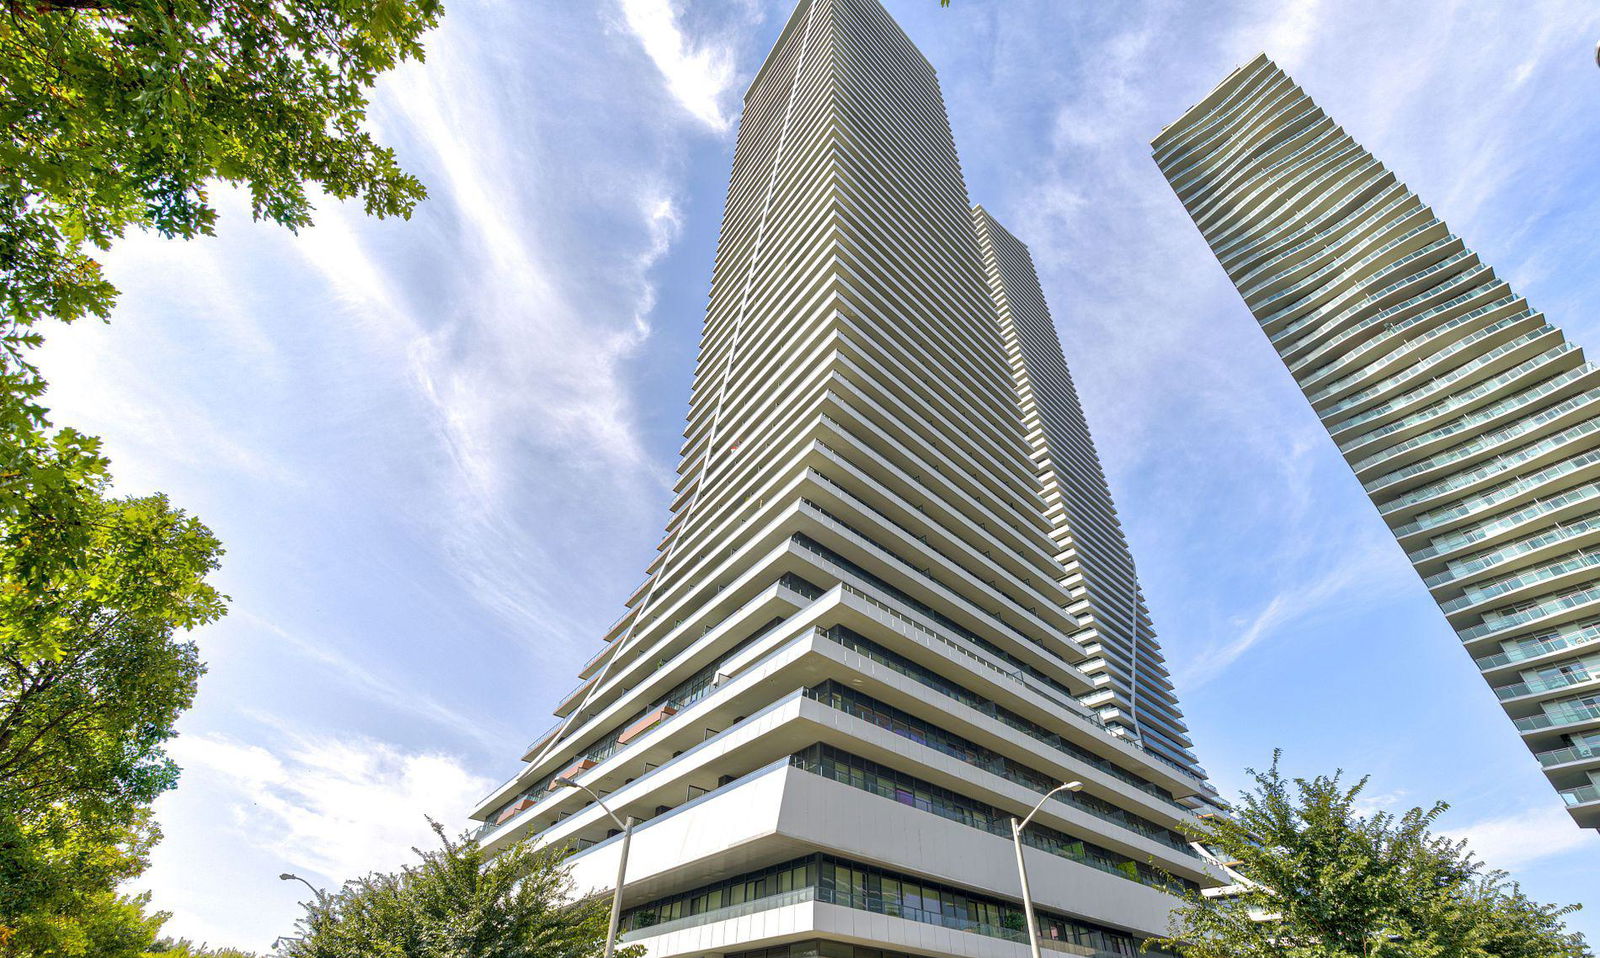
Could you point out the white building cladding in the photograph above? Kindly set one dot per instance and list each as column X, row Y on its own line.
column 1471, row 422
column 853, row 658
column 1132, row 686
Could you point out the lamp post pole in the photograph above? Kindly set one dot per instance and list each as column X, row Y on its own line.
column 622, row 861
column 1022, row 868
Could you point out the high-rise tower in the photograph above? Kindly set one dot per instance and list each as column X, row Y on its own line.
column 1472, row 424
column 1132, row 687
column 852, row 659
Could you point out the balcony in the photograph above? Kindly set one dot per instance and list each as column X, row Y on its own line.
column 512, row 810
column 1572, row 753
column 1440, row 384
column 1562, row 567
column 1495, row 410
column 1580, row 796
column 780, row 900
column 1540, row 685
column 859, row 902
column 1479, row 502
column 649, row 721
column 1069, row 705
column 1533, row 650
column 1384, row 320
column 1500, row 463
column 1570, row 715
column 1562, row 532
column 581, row 765
column 1572, row 600
column 1417, row 370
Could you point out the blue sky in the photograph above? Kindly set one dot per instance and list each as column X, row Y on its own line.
column 438, row 451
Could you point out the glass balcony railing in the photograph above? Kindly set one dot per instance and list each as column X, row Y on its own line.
column 890, row 615
column 1419, row 369
column 1285, row 338
column 1247, row 153
column 1572, row 600
column 1578, row 638
column 724, row 913
column 1438, row 385
column 861, row 902
column 1581, row 796
column 1487, row 441
column 1343, row 308
column 1566, row 565
column 1254, row 195
column 1232, row 250
column 1570, row 529
column 1261, row 102
column 1541, row 685
column 1523, row 515
column 1564, row 715
column 1500, row 463
column 1343, row 227
column 1572, row 753
column 1325, row 147
column 1347, row 169
column 1493, row 497
column 883, row 905
column 1338, row 268
column 1475, row 279
column 1494, row 410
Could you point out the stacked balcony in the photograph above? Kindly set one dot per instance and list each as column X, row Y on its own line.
column 1472, row 424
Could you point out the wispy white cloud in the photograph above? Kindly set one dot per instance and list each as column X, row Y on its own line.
column 1360, row 575
column 364, row 679
column 1369, row 802
column 157, row 431
column 521, row 350
column 332, row 806
column 1514, row 841
column 697, row 74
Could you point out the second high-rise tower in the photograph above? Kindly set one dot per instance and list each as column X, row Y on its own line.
column 1473, row 425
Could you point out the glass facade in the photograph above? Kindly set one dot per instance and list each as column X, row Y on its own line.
column 869, row 776
column 1023, row 671
column 1471, row 423
column 858, row 643
column 851, row 884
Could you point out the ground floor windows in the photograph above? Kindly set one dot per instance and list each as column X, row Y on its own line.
column 851, row 884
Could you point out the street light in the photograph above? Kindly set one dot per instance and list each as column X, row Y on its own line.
column 1022, row 869
column 622, row 860
column 286, row 876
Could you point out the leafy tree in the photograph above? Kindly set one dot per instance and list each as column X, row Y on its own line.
column 84, row 723
column 92, row 678
column 121, row 112
column 58, row 876
column 184, row 948
column 459, row 903
column 1322, row 880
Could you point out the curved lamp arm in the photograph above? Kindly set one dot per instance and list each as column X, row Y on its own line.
column 569, row 783
column 1064, row 787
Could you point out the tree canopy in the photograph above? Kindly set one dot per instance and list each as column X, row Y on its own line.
column 458, row 902
column 92, row 678
column 1324, row 880
column 123, row 112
